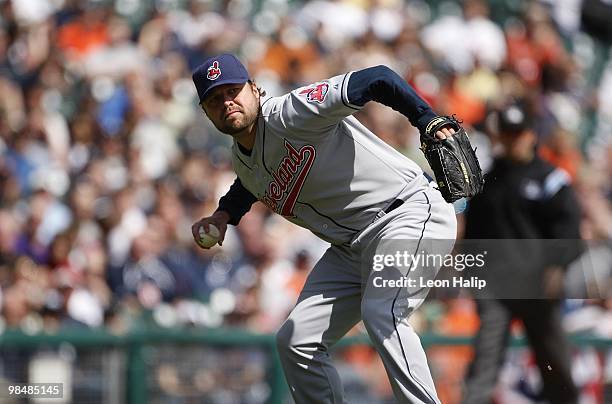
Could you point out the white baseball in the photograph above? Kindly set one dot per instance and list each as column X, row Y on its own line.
column 209, row 239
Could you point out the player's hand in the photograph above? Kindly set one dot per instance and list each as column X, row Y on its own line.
column 219, row 219
column 452, row 158
column 445, row 133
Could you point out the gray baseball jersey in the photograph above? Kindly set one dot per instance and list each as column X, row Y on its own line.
column 319, row 167
column 316, row 165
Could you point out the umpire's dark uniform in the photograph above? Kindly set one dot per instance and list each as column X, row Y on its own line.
column 529, row 199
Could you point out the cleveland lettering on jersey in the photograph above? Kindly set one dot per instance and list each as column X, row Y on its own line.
column 295, row 162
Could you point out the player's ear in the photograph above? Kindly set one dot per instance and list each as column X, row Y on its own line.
column 254, row 88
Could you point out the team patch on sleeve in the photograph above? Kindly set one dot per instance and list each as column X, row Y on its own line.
column 316, row 92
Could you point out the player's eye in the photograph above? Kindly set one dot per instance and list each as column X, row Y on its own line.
column 214, row 101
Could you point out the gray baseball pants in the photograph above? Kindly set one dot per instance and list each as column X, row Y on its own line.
column 340, row 291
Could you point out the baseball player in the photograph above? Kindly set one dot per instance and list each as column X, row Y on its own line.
column 305, row 157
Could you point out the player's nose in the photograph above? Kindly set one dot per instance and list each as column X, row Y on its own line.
column 228, row 102
column 228, row 97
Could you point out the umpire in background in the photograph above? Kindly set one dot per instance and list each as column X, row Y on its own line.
column 525, row 206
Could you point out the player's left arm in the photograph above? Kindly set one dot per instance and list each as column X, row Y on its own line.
column 319, row 106
column 383, row 85
column 444, row 142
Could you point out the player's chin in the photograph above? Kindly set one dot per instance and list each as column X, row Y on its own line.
column 232, row 128
column 234, row 120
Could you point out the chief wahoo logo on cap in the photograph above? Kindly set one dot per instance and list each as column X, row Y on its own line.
column 213, row 72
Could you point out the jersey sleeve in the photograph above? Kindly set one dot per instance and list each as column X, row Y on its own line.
column 319, row 106
column 314, row 108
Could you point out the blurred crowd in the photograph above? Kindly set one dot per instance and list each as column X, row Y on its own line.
column 106, row 159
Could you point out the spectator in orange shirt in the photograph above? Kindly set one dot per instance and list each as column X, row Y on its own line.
column 560, row 150
column 85, row 33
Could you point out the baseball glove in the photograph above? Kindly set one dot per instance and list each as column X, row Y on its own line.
column 453, row 160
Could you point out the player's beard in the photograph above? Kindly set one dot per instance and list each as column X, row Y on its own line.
column 237, row 126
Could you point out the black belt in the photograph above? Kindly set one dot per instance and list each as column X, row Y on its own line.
column 398, row 202
column 394, row 205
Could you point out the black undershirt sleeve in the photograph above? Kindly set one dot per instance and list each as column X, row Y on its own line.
column 236, row 202
column 383, row 85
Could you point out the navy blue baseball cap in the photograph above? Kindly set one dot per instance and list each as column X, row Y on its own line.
column 216, row 71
